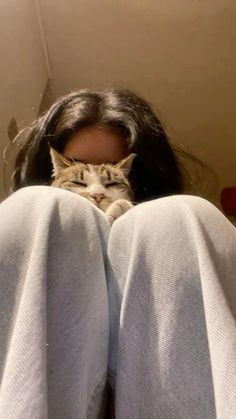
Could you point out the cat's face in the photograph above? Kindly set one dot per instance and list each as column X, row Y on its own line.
column 101, row 184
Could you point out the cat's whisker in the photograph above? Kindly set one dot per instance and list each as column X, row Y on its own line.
column 67, row 163
column 70, row 160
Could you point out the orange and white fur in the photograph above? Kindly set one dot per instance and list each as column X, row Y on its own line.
column 105, row 185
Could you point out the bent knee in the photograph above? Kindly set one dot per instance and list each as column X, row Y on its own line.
column 42, row 199
column 175, row 203
column 172, row 209
column 44, row 194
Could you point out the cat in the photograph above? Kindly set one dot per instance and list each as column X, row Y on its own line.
column 105, row 185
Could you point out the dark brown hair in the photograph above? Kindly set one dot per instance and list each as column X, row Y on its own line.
column 155, row 170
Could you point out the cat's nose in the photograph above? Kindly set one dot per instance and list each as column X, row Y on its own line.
column 97, row 196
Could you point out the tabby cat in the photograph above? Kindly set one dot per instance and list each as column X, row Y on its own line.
column 105, row 185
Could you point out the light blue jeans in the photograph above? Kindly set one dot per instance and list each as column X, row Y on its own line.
column 149, row 303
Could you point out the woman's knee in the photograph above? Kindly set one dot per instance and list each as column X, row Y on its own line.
column 43, row 195
column 172, row 209
column 176, row 203
column 32, row 206
column 42, row 198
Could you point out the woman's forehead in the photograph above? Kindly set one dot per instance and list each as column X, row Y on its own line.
column 96, row 145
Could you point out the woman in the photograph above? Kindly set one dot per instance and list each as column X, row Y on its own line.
column 150, row 301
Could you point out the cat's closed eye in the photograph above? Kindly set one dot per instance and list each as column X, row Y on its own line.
column 76, row 182
column 108, row 185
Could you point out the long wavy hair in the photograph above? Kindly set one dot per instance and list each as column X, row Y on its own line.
column 155, row 171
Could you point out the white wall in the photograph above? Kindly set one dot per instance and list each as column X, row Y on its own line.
column 180, row 55
column 23, row 72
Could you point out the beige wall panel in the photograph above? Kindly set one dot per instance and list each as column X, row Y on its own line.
column 180, row 55
column 23, row 71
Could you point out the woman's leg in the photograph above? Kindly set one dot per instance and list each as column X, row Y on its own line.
column 53, row 302
column 172, row 296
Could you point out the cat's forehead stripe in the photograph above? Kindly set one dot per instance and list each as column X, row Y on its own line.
column 108, row 174
column 102, row 168
column 105, row 170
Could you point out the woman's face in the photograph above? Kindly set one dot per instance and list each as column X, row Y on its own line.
column 96, row 145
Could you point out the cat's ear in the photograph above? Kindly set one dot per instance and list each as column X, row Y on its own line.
column 126, row 164
column 58, row 161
